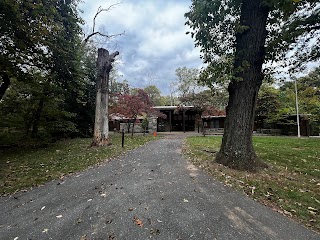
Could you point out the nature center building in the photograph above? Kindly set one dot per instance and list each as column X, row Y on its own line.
column 190, row 118
column 210, row 121
column 186, row 119
column 178, row 118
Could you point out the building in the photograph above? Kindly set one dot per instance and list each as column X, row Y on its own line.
column 178, row 118
column 286, row 126
column 190, row 118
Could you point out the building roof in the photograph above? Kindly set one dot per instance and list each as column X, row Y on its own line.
column 172, row 107
column 211, row 116
column 210, row 112
column 119, row 117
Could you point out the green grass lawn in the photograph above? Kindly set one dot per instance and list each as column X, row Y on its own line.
column 24, row 167
column 291, row 185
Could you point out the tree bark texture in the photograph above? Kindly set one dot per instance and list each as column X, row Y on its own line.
column 237, row 146
column 5, row 84
column 133, row 128
column 36, row 118
column 101, row 125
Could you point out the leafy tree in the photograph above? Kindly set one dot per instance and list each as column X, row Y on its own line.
column 145, row 124
column 50, row 74
column 237, row 37
column 187, row 81
column 36, row 110
column 276, row 104
column 154, row 94
column 205, row 99
column 117, row 88
column 268, row 102
column 36, row 35
column 193, row 90
column 308, row 96
column 20, row 46
column 268, row 107
column 83, row 102
column 132, row 106
column 166, row 100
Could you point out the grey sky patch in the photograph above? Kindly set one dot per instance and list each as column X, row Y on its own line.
column 154, row 44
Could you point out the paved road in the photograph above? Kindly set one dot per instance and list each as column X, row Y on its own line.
column 150, row 193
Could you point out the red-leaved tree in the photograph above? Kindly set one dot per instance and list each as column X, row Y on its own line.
column 131, row 106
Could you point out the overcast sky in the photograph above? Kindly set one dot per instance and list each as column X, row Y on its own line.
column 154, row 44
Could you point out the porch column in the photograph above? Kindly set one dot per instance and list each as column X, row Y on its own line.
column 170, row 120
column 184, row 120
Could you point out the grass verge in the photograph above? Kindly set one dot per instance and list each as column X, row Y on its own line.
column 25, row 167
column 291, row 185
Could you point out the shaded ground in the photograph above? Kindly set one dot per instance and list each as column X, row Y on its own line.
column 150, row 193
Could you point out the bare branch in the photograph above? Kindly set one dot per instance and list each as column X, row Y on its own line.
column 313, row 28
column 100, row 34
column 113, row 55
column 100, row 9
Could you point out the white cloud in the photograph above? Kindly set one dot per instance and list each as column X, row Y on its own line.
column 137, row 65
column 160, row 42
column 155, row 42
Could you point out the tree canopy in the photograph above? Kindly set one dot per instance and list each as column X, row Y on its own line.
column 291, row 25
column 277, row 102
column 238, row 39
column 154, row 94
column 37, row 35
column 46, row 77
column 131, row 106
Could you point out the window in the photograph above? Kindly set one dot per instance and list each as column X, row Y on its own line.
column 215, row 123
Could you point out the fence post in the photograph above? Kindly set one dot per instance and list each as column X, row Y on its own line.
column 122, row 138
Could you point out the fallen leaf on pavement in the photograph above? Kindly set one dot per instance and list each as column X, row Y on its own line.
column 109, row 221
column 103, row 195
column 138, row 222
column 154, row 231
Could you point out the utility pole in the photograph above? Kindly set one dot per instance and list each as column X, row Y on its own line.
column 297, row 106
column 171, row 85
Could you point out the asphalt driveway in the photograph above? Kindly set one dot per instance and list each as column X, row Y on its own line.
column 149, row 193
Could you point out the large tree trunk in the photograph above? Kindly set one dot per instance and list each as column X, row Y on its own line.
column 97, row 117
column 36, row 118
column 5, row 83
column 237, row 147
column 104, row 110
column 129, row 125
column 133, row 124
column 101, row 125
